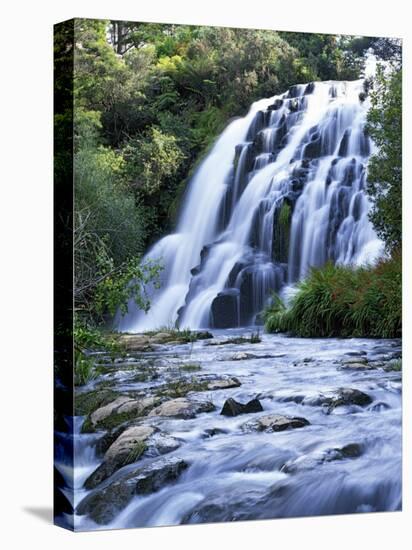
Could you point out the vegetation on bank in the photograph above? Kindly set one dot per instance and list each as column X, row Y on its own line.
column 341, row 301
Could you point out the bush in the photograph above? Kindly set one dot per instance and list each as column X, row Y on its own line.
column 344, row 302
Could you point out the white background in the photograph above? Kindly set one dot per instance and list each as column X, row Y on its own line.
column 26, row 272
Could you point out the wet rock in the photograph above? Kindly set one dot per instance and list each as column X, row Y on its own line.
column 211, row 432
column 102, row 505
column 234, row 408
column 203, row 335
column 380, row 406
column 309, row 88
column 276, row 105
column 355, row 353
column 182, row 408
column 313, row 460
column 356, row 366
column 354, row 359
column 135, row 342
column 225, row 309
column 276, row 423
column 223, row 383
column 127, row 448
column 242, row 356
column 339, row 398
column 293, row 105
column 120, row 410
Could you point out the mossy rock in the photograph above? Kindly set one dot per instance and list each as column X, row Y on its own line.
column 87, row 402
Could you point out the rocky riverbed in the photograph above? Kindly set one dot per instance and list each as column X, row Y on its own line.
column 224, row 427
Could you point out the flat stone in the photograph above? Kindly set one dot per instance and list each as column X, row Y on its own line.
column 223, row 384
column 356, row 366
column 122, row 405
column 354, row 360
column 182, row 408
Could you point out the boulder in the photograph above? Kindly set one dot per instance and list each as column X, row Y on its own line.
column 203, row 335
column 276, row 105
column 276, row 423
column 309, row 88
column 102, row 505
column 182, row 408
column 234, row 408
column 135, row 342
column 339, row 398
column 225, row 309
column 128, row 448
column 120, row 410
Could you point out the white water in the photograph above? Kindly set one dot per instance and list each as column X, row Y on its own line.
column 221, row 265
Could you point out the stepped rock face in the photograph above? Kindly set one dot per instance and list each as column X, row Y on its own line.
column 282, row 190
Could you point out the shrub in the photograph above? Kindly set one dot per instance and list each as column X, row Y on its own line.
column 343, row 301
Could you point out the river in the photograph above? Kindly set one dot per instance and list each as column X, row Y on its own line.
column 346, row 460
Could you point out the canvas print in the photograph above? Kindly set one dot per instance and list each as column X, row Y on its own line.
column 228, row 304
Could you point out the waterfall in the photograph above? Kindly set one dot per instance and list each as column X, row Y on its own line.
column 281, row 191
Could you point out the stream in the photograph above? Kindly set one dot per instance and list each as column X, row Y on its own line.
column 346, row 460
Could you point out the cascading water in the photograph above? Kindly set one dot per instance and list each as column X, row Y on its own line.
column 281, row 191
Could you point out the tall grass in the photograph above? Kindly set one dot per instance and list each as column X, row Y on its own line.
column 343, row 301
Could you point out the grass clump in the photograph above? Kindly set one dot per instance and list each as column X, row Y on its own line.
column 190, row 367
column 87, row 402
column 174, row 334
column 343, row 301
column 135, row 453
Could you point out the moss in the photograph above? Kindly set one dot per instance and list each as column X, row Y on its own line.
column 190, row 367
column 180, row 388
column 115, row 419
column 281, row 233
column 88, row 402
column 394, row 366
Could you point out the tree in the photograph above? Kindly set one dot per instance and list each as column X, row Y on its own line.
column 385, row 166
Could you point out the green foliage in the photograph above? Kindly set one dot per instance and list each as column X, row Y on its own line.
column 152, row 159
column 86, row 339
column 342, row 301
column 385, row 167
column 83, row 369
column 129, row 282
